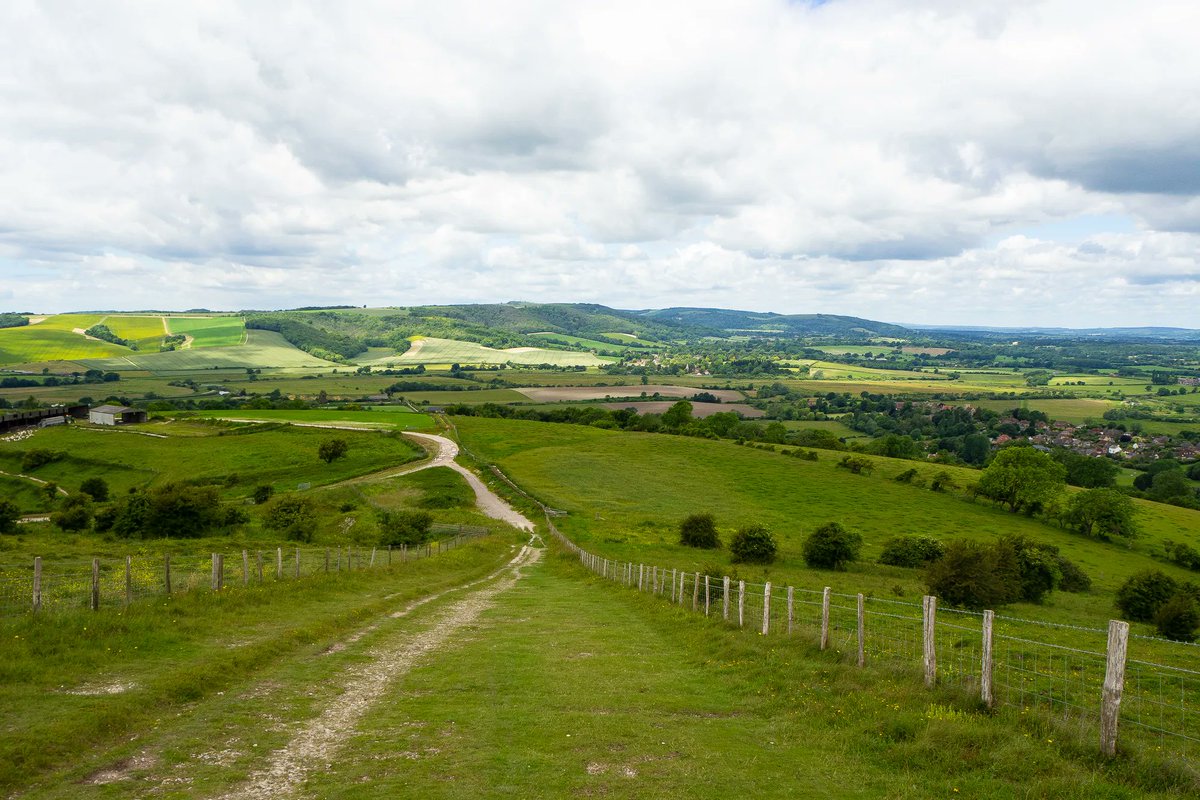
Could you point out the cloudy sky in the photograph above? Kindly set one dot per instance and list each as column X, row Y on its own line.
column 1019, row 163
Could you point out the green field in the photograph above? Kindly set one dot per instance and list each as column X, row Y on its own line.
column 604, row 348
column 1074, row 410
column 53, row 340
column 466, row 398
column 588, row 473
column 210, row 331
column 427, row 350
column 389, row 418
column 146, row 333
column 236, row 459
column 262, row 350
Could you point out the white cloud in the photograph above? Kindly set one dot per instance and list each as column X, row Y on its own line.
column 870, row 157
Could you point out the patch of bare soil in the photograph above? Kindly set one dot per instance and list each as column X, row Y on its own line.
column 319, row 739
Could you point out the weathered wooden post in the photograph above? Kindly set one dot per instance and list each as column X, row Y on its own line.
column 245, row 568
column 929, row 614
column 986, row 689
column 725, row 596
column 862, row 632
column 766, row 609
column 212, row 578
column 696, row 592
column 1114, row 685
column 825, row 618
column 167, row 572
column 674, row 576
column 95, row 584
column 741, row 604
column 372, row 562
column 278, row 563
column 707, row 595
column 641, row 575
column 37, row 583
column 791, row 600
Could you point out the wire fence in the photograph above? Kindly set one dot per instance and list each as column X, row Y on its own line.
column 117, row 582
column 1083, row 676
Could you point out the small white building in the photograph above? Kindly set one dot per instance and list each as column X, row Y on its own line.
column 115, row 415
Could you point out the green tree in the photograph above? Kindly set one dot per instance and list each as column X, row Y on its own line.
column 677, row 415
column 96, row 487
column 75, row 514
column 1143, row 594
column 331, row 450
column 1178, row 618
column 1103, row 513
column 292, row 515
column 404, row 527
column 1088, row 472
column 1022, row 478
column 9, row 514
column 911, row 551
column 1170, row 484
column 966, row 577
column 831, row 547
column 182, row 511
column 699, row 530
column 262, row 493
column 753, row 544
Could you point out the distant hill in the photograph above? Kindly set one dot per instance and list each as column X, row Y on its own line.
column 728, row 321
column 985, row 332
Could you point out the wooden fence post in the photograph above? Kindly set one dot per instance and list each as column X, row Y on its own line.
column 212, row 577
column 986, row 689
column 1114, row 685
column 825, row 618
column 95, row 584
column 403, row 553
column 245, row 568
column 696, row 592
column 37, row 583
column 674, row 576
column 128, row 580
column 167, row 571
column 766, row 609
column 707, row 595
column 741, row 604
column 725, row 596
column 862, row 633
column 682, row 582
column 278, row 563
column 791, row 601
column 372, row 562
column 641, row 575
column 929, row 613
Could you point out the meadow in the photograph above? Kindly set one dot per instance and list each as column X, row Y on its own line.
column 210, row 331
column 383, row 417
column 429, row 350
column 53, row 339
column 263, row 349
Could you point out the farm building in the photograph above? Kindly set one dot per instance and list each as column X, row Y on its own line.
column 115, row 415
column 12, row 420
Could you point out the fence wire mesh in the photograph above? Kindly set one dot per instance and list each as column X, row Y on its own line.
column 1059, row 669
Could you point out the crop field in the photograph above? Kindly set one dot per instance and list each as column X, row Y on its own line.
column 830, row 370
column 235, row 458
column 383, row 418
column 1074, row 410
column 263, row 350
column 700, row 410
column 466, row 398
column 127, row 386
column 587, row 472
column 450, row 351
column 582, row 393
column 210, row 331
column 145, row 332
column 49, row 341
column 839, row 429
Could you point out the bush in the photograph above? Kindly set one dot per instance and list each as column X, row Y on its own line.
column 699, row 530
column 965, row 576
column 331, row 450
column 911, row 551
column 292, row 515
column 1178, row 618
column 1140, row 597
column 942, row 481
column 831, row 547
column 906, row 477
column 9, row 514
column 96, row 487
column 857, row 464
column 37, row 458
column 1074, row 579
column 404, row 527
column 262, row 493
column 75, row 514
column 753, row 544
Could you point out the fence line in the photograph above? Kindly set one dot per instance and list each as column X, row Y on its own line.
column 41, row 587
column 1004, row 660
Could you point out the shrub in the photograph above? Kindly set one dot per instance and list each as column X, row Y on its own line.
column 906, row 476
column 262, row 493
column 942, row 481
column 699, row 530
column 9, row 514
column 75, row 514
column 1037, row 572
column 404, row 527
column 292, row 515
column 857, row 464
column 911, row 551
column 831, row 547
column 37, row 458
column 965, row 576
column 1074, row 579
column 1178, row 618
column 331, row 450
column 96, row 487
column 753, row 544
column 1140, row 597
